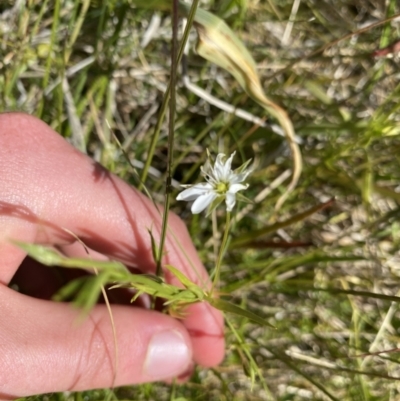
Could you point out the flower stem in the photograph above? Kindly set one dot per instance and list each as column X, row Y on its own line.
column 172, row 106
column 166, row 99
column 221, row 252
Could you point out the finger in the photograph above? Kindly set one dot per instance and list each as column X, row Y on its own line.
column 67, row 352
column 47, row 186
column 200, row 319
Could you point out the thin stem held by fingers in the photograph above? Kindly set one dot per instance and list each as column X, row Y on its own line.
column 172, row 106
column 221, row 252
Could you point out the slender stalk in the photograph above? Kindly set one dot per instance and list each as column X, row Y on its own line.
column 50, row 57
column 221, row 252
column 155, row 138
column 166, row 99
column 172, row 107
column 171, row 97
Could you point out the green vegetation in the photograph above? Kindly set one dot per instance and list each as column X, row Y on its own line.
column 324, row 268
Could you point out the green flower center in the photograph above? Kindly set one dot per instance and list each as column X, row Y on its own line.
column 222, row 188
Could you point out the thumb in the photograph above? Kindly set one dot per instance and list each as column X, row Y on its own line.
column 63, row 351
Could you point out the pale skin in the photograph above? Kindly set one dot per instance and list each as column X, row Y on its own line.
column 46, row 188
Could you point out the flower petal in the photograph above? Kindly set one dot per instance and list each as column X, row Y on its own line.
column 202, row 202
column 219, row 167
column 194, row 192
column 240, row 177
column 230, row 201
column 227, row 171
column 236, row 187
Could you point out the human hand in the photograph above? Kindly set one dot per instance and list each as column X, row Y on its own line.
column 46, row 188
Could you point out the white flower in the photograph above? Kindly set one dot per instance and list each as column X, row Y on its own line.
column 221, row 183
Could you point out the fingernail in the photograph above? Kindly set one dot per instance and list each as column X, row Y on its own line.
column 168, row 355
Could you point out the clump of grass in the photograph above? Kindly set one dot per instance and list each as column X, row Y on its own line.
column 328, row 281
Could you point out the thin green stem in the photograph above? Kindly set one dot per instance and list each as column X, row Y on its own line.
column 50, row 57
column 166, row 99
column 221, row 252
column 172, row 107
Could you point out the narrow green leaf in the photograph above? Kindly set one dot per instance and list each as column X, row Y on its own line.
column 154, row 247
column 227, row 306
column 42, row 254
column 50, row 257
column 70, row 290
column 180, row 276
